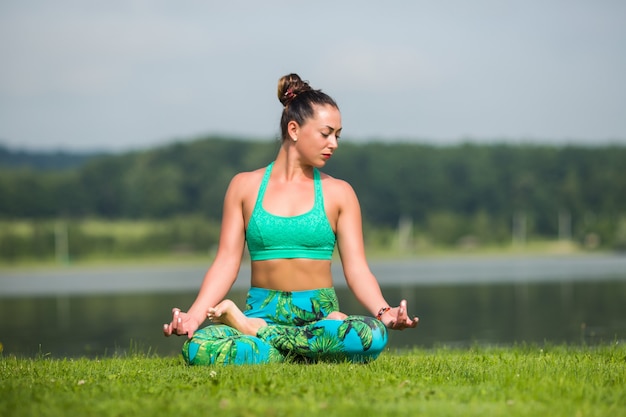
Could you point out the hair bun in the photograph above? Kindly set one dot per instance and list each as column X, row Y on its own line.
column 289, row 86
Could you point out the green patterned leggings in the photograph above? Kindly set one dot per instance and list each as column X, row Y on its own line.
column 296, row 330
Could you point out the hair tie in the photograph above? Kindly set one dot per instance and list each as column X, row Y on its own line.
column 289, row 94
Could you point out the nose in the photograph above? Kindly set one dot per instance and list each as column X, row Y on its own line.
column 332, row 142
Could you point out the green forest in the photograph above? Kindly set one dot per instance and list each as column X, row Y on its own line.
column 170, row 198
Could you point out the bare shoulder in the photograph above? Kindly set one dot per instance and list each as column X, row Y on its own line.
column 244, row 182
column 243, row 179
column 338, row 189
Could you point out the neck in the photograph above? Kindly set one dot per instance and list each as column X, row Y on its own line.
column 288, row 166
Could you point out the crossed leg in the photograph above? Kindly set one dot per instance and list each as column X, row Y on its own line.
column 227, row 312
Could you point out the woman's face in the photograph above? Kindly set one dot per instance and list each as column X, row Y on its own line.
column 318, row 137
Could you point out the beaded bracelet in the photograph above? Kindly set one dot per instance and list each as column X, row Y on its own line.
column 381, row 312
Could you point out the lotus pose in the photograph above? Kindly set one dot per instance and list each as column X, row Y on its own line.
column 228, row 313
column 291, row 216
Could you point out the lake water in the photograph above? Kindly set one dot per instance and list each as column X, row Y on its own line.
column 101, row 311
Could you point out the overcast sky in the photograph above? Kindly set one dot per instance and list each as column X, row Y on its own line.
column 127, row 74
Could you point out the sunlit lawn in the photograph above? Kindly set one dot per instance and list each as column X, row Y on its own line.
column 514, row 381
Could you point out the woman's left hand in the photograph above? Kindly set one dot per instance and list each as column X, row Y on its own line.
column 397, row 318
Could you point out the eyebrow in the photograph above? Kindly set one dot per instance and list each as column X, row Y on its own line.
column 332, row 129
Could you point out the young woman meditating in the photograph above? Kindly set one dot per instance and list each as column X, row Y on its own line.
column 291, row 216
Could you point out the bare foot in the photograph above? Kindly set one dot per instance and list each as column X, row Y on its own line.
column 336, row 315
column 228, row 313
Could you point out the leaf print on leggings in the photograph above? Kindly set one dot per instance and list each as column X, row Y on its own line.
column 296, row 329
column 328, row 300
column 285, row 338
column 225, row 352
column 360, row 326
column 326, row 344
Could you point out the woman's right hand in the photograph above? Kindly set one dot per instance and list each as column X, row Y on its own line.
column 182, row 323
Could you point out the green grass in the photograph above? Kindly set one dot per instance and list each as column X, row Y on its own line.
column 481, row 381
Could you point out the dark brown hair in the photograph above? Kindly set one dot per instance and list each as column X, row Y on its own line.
column 299, row 98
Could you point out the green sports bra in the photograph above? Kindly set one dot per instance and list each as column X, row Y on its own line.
column 307, row 235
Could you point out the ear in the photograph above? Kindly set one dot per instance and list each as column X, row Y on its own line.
column 293, row 128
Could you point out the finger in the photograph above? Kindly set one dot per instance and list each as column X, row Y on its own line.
column 175, row 313
column 167, row 330
column 396, row 322
column 411, row 323
column 175, row 319
column 402, row 314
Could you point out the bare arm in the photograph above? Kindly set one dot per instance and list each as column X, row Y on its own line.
column 359, row 277
column 223, row 272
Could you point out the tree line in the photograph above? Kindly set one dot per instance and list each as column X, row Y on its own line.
column 447, row 193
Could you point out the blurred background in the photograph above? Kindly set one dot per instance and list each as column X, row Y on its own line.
column 486, row 141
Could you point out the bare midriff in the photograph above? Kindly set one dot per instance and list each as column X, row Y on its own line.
column 291, row 274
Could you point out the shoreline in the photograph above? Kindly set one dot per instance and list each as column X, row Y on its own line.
column 118, row 278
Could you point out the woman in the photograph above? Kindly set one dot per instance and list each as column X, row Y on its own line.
column 291, row 216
